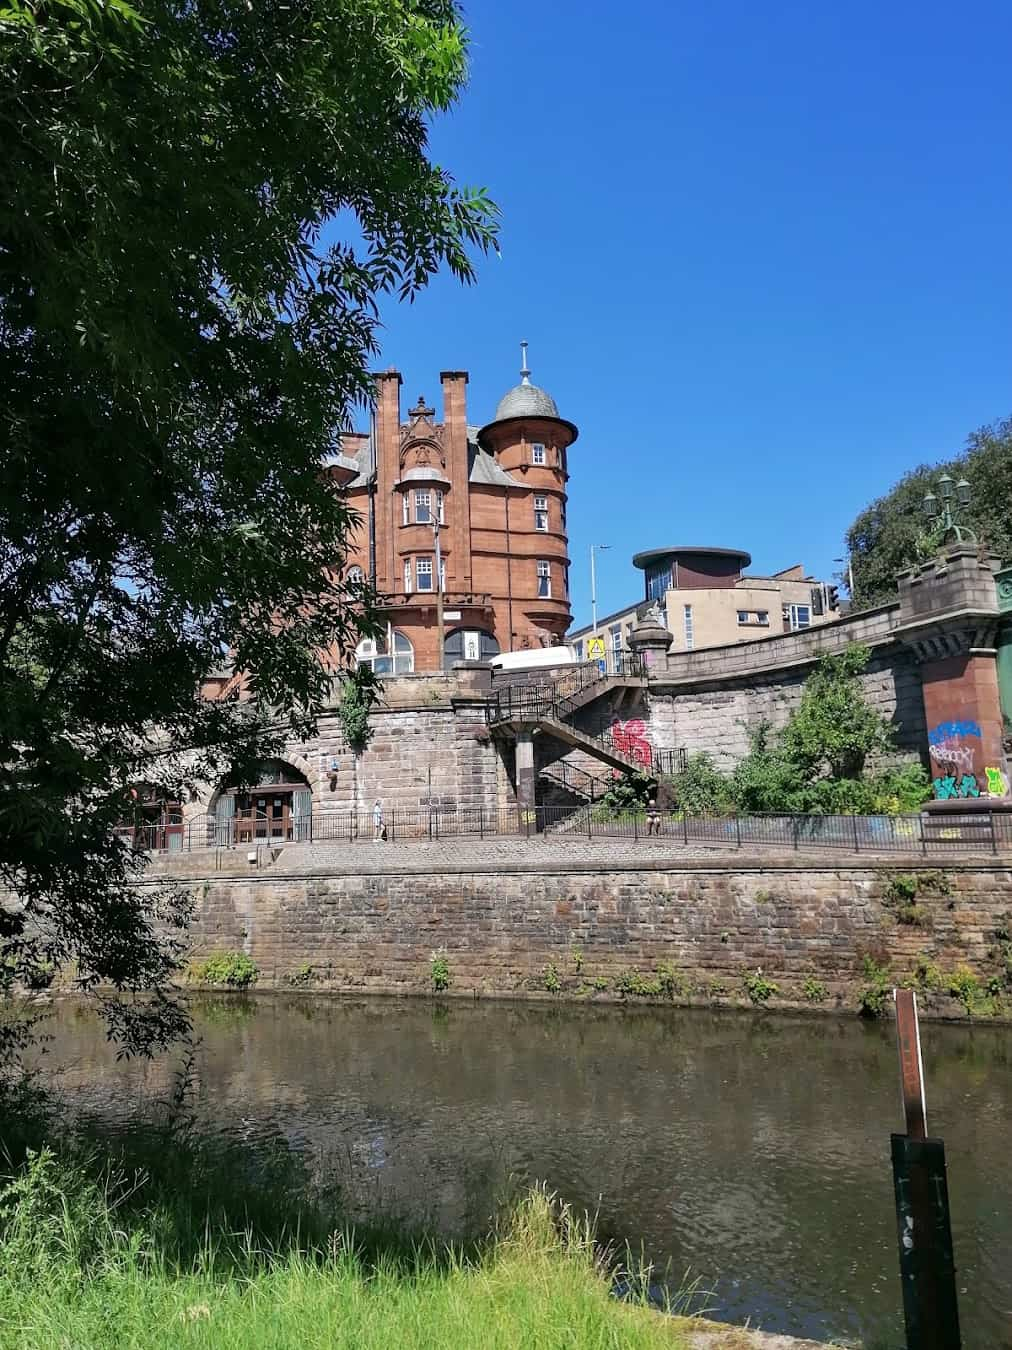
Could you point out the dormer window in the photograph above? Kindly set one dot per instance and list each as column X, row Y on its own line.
column 538, row 453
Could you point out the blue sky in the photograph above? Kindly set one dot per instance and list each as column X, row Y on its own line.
column 761, row 253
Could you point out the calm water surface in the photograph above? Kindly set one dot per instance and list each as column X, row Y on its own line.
column 751, row 1150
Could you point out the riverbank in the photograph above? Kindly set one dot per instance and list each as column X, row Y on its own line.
column 159, row 1239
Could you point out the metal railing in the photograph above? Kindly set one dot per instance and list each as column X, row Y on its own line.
column 928, row 835
column 579, row 781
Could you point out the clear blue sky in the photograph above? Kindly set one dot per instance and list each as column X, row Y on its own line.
column 762, row 254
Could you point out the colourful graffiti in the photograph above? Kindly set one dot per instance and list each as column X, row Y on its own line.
column 946, row 730
column 953, row 759
column 630, row 738
column 948, row 787
column 997, row 783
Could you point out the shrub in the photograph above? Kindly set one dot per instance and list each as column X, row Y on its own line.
column 629, row 792
column 600, row 984
column 759, row 989
column 701, row 789
column 632, row 982
column 671, row 981
column 234, row 969
column 813, row 990
column 439, row 971
column 551, row 980
column 872, row 999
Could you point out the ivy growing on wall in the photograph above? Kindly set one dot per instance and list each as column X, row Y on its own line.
column 358, row 695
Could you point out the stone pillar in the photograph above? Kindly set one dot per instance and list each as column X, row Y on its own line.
column 525, row 768
column 1003, row 580
column 949, row 617
column 650, row 640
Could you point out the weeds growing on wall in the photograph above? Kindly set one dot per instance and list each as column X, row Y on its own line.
column 439, row 971
column 235, row 970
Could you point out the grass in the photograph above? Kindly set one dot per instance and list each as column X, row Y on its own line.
column 163, row 1239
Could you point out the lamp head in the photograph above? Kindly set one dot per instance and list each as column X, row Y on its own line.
column 963, row 492
column 945, row 486
column 930, row 505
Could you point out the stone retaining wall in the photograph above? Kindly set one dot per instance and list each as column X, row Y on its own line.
column 712, row 923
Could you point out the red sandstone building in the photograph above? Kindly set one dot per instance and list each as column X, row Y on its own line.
column 486, row 506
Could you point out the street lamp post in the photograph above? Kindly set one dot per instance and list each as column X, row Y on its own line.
column 593, row 588
column 439, row 586
column 941, row 517
column 850, row 574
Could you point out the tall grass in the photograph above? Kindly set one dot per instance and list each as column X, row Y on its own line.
column 161, row 1238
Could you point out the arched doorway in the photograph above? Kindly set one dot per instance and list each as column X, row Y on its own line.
column 278, row 806
column 155, row 822
column 469, row 644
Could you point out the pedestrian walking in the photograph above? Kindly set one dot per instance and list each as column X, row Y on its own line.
column 653, row 817
column 379, row 829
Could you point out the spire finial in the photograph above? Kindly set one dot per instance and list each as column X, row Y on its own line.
column 525, row 374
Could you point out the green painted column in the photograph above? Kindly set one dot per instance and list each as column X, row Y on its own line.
column 1003, row 581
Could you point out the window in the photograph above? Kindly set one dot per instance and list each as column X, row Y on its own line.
column 407, row 575
column 744, row 616
column 763, row 618
column 562, row 514
column 541, row 513
column 439, row 508
column 389, row 655
column 423, row 574
column 687, row 620
column 472, row 644
column 797, row 617
column 354, row 576
column 658, row 581
column 538, row 453
column 544, row 580
column 442, row 575
column 406, row 510
column 616, row 637
column 578, row 649
column 565, row 578
column 423, row 507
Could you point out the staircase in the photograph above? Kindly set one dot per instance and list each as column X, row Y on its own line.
column 550, row 705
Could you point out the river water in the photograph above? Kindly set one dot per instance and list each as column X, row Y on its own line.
column 750, row 1150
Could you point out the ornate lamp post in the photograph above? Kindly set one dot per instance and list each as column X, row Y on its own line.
column 953, row 495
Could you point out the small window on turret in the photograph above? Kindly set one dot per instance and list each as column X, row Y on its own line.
column 538, row 453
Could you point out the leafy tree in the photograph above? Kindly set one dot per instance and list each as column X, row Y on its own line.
column 834, row 726
column 182, row 329
column 818, row 762
column 892, row 532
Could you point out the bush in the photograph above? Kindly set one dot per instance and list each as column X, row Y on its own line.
column 551, row 980
column 439, row 971
column 701, row 789
column 759, row 989
column 872, row 999
column 629, row 792
column 234, row 969
column 813, row 990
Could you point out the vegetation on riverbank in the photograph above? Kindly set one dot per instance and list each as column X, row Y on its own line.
column 164, row 1239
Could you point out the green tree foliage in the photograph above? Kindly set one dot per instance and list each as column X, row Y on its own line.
column 201, row 207
column 818, row 762
column 892, row 533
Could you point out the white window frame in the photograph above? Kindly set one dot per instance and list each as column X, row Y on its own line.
column 408, row 586
column 405, row 508
column 539, row 455
column 687, row 623
column 615, row 633
column 544, row 579
column 423, row 568
column 354, row 575
column 541, row 514
column 792, row 617
column 440, row 506
column 744, row 616
column 423, row 506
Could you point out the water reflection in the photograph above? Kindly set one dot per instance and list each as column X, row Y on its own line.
column 751, row 1150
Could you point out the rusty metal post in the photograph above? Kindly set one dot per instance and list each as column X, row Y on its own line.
column 927, row 1265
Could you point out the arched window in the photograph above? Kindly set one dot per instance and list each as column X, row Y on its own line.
column 389, row 655
column 354, row 575
column 469, row 644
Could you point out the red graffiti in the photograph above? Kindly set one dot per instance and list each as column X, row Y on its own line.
column 630, row 738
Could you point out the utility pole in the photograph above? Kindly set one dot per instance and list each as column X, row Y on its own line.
column 439, row 585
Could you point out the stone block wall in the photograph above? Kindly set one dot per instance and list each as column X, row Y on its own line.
column 713, row 924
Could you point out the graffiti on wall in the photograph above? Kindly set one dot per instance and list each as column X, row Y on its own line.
column 997, row 783
column 950, row 745
column 630, row 738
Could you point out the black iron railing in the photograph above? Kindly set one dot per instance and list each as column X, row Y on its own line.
column 928, row 835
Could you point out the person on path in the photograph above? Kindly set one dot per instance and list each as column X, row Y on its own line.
column 653, row 817
column 379, row 830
